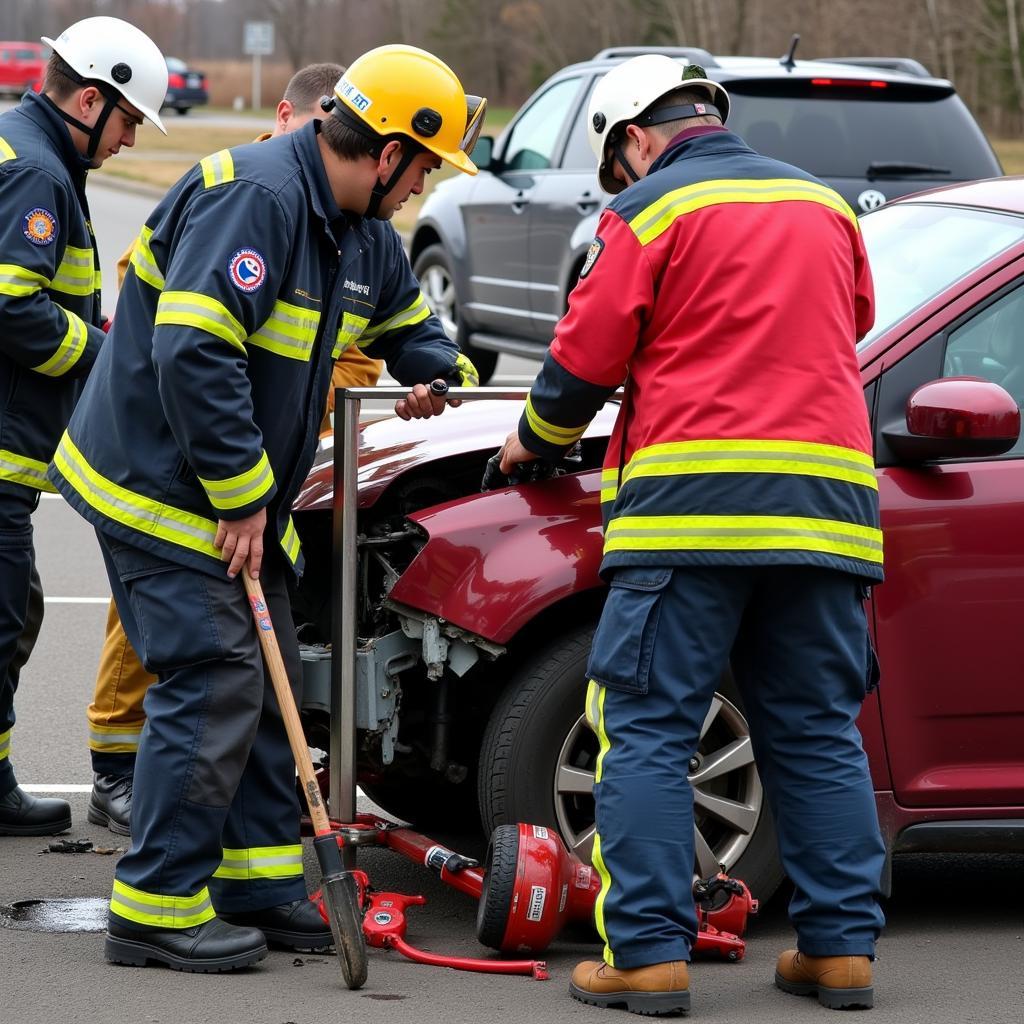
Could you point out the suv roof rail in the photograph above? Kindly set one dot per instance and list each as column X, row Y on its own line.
column 907, row 65
column 694, row 54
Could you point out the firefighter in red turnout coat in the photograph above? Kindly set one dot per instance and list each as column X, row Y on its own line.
column 741, row 519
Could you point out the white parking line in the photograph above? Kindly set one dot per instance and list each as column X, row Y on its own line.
column 56, row 788
column 76, row 600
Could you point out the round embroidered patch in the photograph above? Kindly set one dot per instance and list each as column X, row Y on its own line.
column 39, row 226
column 247, row 270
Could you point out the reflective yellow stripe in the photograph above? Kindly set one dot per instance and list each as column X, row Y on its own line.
column 5, row 740
column 218, row 169
column 192, row 309
column 606, row 883
column 595, row 718
column 261, row 862
column 161, row 911
column 550, row 432
column 76, row 274
column 6, row 152
column 17, row 281
column 349, row 332
column 290, row 542
column 800, row 458
column 290, row 331
column 19, row 469
column 247, row 487
column 70, row 350
column 134, row 510
column 469, row 376
column 743, row 533
column 144, row 262
column 659, row 216
column 413, row 314
column 110, row 739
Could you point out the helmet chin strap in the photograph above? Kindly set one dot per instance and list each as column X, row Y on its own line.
column 409, row 153
column 95, row 132
column 620, row 157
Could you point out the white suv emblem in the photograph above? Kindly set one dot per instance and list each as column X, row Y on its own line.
column 870, row 199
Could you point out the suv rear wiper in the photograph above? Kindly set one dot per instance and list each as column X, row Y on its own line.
column 896, row 167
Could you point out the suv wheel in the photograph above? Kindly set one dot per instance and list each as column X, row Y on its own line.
column 538, row 756
column 434, row 270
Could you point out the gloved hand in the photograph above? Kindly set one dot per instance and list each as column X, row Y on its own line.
column 528, row 472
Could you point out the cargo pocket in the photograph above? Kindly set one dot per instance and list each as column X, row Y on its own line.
column 623, row 647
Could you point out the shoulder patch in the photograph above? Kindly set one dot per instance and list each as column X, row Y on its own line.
column 595, row 250
column 39, row 226
column 247, row 270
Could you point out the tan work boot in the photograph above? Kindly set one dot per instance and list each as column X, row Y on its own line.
column 839, row 982
column 658, row 990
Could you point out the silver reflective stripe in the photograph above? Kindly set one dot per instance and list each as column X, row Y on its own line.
column 737, row 531
column 769, row 456
column 258, row 486
column 165, row 910
column 256, row 862
column 10, row 469
column 111, row 739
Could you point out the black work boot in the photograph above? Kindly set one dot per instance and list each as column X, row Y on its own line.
column 296, row 925
column 111, row 803
column 22, row 814
column 208, row 948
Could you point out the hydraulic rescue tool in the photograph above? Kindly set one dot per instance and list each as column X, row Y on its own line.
column 531, row 887
column 340, row 894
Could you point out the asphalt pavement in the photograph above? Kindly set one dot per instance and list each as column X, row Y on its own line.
column 952, row 951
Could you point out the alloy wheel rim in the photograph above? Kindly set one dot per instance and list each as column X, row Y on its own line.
column 439, row 290
column 727, row 793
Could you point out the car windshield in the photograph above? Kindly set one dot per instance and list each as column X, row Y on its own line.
column 917, row 250
column 835, row 134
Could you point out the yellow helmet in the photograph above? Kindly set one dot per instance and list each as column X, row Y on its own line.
column 402, row 90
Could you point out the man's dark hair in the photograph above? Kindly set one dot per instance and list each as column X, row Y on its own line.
column 348, row 143
column 308, row 85
column 679, row 97
column 61, row 80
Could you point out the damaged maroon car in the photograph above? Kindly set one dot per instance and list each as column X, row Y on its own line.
column 475, row 609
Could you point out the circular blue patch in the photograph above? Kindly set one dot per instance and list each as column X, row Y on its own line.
column 39, row 226
column 247, row 269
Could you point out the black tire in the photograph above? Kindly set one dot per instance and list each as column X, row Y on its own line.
column 182, row 111
column 495, row 904
column 535, row 732
column 433, row 267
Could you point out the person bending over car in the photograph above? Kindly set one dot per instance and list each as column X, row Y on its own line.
column 740, row 515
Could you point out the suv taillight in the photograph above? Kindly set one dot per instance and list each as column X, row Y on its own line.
column 175, row 82
column 850, row 83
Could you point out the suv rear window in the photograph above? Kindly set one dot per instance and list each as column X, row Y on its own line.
column 837, row 131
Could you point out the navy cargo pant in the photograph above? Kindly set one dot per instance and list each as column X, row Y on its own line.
column 802, row 660
column 215, row 814
column 21, row 608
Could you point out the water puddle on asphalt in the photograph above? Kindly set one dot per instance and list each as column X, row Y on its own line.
column 74, row 914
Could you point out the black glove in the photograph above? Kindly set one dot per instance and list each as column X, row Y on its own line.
column 528, row 472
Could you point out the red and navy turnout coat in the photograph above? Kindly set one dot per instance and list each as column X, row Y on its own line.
column 731, row 289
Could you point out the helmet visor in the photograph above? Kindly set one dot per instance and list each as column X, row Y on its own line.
column 476, row 108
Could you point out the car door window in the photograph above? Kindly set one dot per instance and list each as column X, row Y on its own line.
column 578, row 154
column 534, row 137
column 991, row 345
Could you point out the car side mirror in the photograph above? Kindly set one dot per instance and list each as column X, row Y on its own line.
column 483, row 152
column 956, row 418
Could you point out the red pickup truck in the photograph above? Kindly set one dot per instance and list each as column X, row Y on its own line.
column 21, row 66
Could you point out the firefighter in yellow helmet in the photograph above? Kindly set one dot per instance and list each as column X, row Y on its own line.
column 186, row 450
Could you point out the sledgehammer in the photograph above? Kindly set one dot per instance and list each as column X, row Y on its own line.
column 340, row 892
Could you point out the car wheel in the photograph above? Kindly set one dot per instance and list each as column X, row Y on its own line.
column 434, row 270
column 183, row 110
column 538, row 756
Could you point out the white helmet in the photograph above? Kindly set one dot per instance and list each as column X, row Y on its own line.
column 112, row 51
column 625, row 92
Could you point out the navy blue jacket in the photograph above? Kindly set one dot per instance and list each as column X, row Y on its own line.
column 49, row 288
column 246, row 283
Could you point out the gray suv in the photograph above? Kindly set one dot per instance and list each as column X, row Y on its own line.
column 498, row 254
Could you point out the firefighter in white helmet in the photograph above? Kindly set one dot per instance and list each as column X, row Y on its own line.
column 104, row 78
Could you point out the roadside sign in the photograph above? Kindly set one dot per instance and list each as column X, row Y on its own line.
column 258, row 40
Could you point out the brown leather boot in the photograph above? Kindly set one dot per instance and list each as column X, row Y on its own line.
column 658, row 990
column 839, row 982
